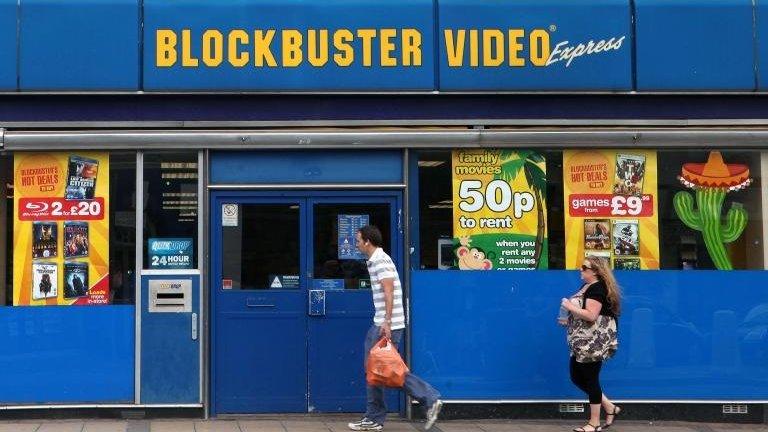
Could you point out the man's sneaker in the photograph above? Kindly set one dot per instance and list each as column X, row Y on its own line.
column 432, row 414
column 365, row 425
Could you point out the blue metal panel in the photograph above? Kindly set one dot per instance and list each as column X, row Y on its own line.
column 761, row 44
column 67, row 354
column 300, row 167
column 695, row 45
column 199, row 16
column 8, row 17
column 170, row 358
column 90, row 45
column 559, row 23
column 492, row 335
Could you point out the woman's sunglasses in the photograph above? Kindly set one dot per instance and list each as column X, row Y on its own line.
column 585, row 268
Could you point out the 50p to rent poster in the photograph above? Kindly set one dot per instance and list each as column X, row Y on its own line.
column 611, row 207
column 61, row 229
column 499, row 209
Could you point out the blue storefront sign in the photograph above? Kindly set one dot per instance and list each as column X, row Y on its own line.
column 381, row 46
column 348, row 226
column 170, row 253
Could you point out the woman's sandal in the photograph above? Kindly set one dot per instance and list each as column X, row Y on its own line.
column 615, row 413
column 594, row 428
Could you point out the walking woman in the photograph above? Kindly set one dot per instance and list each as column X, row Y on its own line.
column 592, row 336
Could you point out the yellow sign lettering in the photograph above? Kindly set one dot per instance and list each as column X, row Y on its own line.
column 317, row 55
column 235, row 56
column 165, row 48
column 411, row 47
column 261, row 51
column 213, row 48
column 186, row 50
column 341, row 41
column 367, row 36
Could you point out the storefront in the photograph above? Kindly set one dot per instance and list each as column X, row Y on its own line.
column 182, row 196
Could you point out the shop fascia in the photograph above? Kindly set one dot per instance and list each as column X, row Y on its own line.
column 513, row 47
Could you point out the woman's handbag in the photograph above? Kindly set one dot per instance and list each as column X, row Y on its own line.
column 592, row 341
column 385, row 367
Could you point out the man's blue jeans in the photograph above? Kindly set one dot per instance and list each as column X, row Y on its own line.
column 414, row 386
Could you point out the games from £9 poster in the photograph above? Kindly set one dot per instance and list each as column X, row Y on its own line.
column 61, row 228
column 611, row 207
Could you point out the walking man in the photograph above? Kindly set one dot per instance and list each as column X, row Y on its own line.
column 389, row 321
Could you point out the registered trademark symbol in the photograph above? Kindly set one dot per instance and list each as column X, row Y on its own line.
column 552, row 27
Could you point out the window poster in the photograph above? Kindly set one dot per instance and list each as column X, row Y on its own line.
column 61, row 229
column 499, row 209
column 347, row 243
column 611, row 207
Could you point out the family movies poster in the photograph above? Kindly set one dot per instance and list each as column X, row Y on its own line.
column 611, row 207
column 61, row 228
column 499, row 209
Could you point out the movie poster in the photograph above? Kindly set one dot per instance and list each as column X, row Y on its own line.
column 45, row 278
column 61, row 228
column 499, row 210
column 611, row 207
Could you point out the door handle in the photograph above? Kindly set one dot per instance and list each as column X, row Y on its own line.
column 194, row 326
column 253, row 303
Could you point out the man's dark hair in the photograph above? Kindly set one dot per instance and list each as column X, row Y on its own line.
column 372, row 234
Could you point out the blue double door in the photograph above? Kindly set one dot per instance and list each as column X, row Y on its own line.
column 291, row 298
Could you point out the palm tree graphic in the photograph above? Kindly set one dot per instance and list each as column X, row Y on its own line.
column 512, row 162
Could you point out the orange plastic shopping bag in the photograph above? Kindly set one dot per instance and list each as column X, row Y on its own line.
column 385, row 367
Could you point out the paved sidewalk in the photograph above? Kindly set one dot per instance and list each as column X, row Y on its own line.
column 339, row 424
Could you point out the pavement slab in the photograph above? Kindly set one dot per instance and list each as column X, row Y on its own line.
column 172, row 426
column 19, row 427
column 105, row 426
column 63, row 426
column 261, row 426
column 217, row 426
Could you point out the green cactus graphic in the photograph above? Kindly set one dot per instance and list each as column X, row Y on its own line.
column 711, row 181
column 707, row 220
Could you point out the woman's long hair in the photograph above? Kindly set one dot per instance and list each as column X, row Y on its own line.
column 604, row 273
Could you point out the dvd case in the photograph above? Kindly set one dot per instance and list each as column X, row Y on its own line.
column 75, row 279
column 626, row 263
column 45, row 240
column 630, row 170
column 81, row 178
column 45, row 280
column 75, row 239
column 597, row 234
column 626, row 240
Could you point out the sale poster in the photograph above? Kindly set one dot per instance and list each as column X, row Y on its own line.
column 499, row 209
column 611, row 207
column 61, row 229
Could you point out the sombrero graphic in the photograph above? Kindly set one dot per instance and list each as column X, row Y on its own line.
column 716, row 174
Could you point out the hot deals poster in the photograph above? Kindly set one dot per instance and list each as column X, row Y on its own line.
column 611, row 207
column 61, row 229
column 499, row 209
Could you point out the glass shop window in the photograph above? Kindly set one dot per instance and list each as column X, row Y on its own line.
column 497, row 209
column 171, row 183
column 641, row 209
column 69, row 228
column 712, row 209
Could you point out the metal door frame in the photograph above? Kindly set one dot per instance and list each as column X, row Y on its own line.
column 394, row 196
